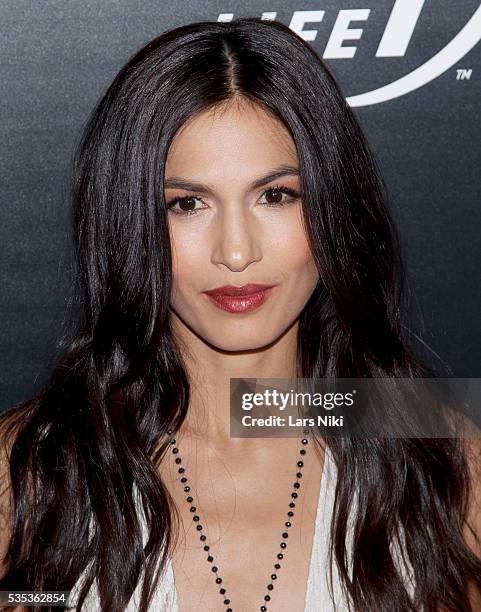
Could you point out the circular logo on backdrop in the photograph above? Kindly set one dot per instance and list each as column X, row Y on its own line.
column 394, row 42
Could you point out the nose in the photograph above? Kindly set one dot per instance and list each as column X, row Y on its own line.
column 236, row 242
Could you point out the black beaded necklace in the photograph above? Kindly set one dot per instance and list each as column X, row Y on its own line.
column 203, row 537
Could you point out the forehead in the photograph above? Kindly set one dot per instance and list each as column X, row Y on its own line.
column 239, row 138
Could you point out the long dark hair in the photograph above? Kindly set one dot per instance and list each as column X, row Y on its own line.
column 99, row 427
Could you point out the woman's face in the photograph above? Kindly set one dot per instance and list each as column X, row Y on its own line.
column 243, row 229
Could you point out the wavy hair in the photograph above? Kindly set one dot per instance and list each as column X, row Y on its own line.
column 99, row 427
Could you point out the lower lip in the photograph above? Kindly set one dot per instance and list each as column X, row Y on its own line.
column 240, row 303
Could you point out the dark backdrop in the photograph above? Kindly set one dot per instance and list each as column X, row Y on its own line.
column 58, row 57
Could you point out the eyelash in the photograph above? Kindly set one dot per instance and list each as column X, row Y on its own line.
column 294, row 195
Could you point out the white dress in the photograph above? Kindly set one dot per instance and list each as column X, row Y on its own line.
column 318, row 597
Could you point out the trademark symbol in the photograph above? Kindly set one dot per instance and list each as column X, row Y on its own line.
column 463, row 74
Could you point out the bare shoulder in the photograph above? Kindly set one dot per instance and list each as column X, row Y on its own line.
column 9, row 423
column 472, row 524
column 7, row 436
column 472, row 448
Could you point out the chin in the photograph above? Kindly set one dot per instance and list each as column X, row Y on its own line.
column 240, row 342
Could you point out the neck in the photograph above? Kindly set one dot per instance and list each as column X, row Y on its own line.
column 210, row 369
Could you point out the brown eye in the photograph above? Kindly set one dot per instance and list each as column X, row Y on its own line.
column 186, row 205
column 274, row 196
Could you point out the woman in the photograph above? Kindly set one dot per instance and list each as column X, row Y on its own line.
column 225, row 154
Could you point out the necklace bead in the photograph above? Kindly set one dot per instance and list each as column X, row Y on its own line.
column 196, row 518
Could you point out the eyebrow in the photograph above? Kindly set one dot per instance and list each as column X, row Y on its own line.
column 284, row 170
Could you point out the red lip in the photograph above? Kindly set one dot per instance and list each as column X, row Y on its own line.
column 232, row 290
column 239, row 299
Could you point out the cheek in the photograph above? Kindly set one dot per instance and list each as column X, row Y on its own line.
column 299, row 252
column 187, row 262
column 186, row 246
column 292, row 249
